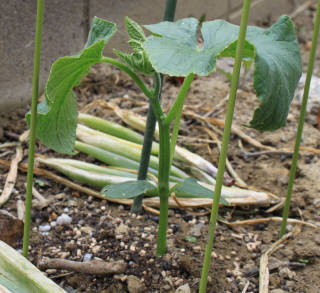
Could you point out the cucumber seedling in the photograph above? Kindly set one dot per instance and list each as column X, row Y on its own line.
column 172, row 49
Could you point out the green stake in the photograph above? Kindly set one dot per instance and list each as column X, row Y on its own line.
column 224, row 147
column 301, row 122
column 33, row 124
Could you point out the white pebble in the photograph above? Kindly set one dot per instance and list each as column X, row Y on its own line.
column 87, row 257
column 64, row 219
column 53, row 224
column 66, row 210
column 44, row 228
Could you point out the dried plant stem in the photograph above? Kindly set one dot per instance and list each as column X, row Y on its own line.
column 94, row 267
column 264, row 260
column 267, row 220
column 12, row 176
column 301, row 122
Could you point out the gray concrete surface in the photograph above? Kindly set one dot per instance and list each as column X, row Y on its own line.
column 62, row 35
column 66, row 26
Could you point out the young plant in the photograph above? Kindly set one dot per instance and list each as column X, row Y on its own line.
column 301, row 122
column 151, row 120
column 173, row 49
column 33, row 125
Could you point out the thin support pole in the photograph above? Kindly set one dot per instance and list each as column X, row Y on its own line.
column 33, row 125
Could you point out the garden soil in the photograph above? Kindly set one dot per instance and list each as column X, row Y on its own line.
column 107, row 231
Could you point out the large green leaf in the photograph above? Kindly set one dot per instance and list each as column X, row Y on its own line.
column 129, row 189
column 192, row 189
column 18, row 275
column 173, row 49
column 57, row 114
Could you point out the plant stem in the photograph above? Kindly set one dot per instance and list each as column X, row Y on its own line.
column 147, row 144
column 33, row 125
column 170, row 10
column 176, row 113
column 127, row 70
column 163, row 184
column 225, row 143
column 301, row 122
column 151, row 119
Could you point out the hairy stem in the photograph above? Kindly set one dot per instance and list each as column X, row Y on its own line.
column 33, row 125
column 147, row 144
column 163, row 184
column 151, row 119
column 225, row 143
column 301, row 122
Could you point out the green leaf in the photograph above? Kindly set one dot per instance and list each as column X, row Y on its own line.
column 129, row 189
column 17, row 274
column 191, row 239
column 41, row 183
column 134, row 30
column 191, row 188
column 173, row 49
column 139, row 62
column 57, row 114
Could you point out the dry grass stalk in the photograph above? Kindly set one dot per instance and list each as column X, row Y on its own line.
column 267, row 220
column 230, row 169
column 264, row 260
column 94, row 267
column 12, row 176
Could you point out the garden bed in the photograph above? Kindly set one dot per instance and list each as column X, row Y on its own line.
column 108, row 231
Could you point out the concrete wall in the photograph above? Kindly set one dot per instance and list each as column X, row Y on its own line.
column 66, row 26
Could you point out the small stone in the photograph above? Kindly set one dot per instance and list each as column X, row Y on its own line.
column 66, row 210
column 53, row 224
column 277, row 291
column 142, row 252
column 44, row 228
column 221, row 258
column 64, row 219
column 51, row 271
column 196, row 229
column 87, row 257
column 132, row 248
column 184, row 289
column 135, row 285
column 316, row 202
column 122, row 229
column 197, row 248
column 286, row 273
column 96, row 249
column 213, row 254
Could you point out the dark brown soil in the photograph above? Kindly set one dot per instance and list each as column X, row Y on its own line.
column 107, row 231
